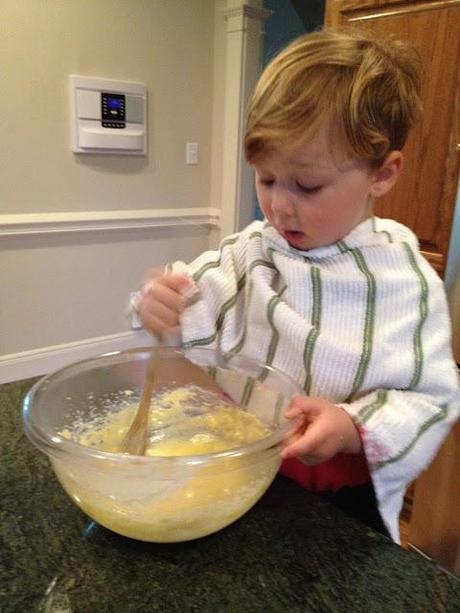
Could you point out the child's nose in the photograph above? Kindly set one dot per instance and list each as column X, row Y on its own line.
column 282, row 203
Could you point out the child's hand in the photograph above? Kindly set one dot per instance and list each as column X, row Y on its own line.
column 162, row 301
column 324, row 430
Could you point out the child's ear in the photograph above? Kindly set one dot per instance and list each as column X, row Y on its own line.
column 386, row 175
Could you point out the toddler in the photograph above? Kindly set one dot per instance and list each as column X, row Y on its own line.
column 323, row 290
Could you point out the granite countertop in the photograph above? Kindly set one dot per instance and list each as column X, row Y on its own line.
column 291, row 553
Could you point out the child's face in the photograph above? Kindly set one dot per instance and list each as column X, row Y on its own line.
column 311, row 199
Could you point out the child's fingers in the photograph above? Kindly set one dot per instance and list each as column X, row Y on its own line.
column 155, row 325
column 172, row 291
column 306, row 443
column 177, row 283
column 173, row 282
column 292, row 412
column 301, row 405
column 163, row 298
column 162, row 295
column 168, row 315
column 298, row 429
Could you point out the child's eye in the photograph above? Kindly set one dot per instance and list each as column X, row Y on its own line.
column 266, row 182
column 309, row 190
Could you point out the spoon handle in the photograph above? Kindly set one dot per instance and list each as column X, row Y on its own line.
column 135, row 440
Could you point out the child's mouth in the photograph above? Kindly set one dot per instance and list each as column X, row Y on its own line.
column 293, row 237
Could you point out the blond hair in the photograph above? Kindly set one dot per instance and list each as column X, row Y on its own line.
column 366, row 91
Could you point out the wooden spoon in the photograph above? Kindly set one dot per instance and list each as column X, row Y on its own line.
column 183, row 372
column 135, row 440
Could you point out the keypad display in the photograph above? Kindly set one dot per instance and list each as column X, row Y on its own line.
column 113, row 110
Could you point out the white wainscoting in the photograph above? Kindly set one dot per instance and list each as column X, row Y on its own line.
column 47, row 359
column 34, row 314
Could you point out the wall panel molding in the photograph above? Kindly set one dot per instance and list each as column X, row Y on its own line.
column 96, row 221
column 35, row 362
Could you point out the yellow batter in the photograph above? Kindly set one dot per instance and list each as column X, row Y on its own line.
column 172, row 501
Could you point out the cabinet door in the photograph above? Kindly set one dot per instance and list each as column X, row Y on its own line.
column 435, row 520
column 424, row 197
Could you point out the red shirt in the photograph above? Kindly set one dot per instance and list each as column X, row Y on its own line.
column 344, row 469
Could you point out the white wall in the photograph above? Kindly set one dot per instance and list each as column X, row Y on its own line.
column 168, row 45
column 62, row 288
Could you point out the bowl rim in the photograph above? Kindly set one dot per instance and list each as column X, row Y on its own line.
column 60, row 447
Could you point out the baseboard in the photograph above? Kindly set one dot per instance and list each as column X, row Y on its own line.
column 37, row 362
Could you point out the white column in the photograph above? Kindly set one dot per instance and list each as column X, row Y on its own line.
column 243, row 64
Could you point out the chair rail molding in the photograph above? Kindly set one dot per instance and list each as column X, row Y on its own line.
column 88, row 221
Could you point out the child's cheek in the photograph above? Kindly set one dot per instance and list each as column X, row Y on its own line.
column 316, row 219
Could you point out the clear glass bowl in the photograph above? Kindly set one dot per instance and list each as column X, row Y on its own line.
column 158, row 498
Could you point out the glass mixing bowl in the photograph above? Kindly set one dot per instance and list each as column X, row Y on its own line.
column 159, row 498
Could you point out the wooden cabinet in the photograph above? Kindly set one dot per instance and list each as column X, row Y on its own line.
column 424, row 197
column 435, row 521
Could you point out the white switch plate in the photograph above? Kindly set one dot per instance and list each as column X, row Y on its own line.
column 191, row 153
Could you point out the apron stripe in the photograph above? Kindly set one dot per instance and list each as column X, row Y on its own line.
column 231, row 240
column 228, row 304
column 423, row 311
column 272, row 304
column 237, row 348
column 443, row 411
column 209, row 265
column 365, row 413
column 313, row 334
column 369, row 321
column 247, row 392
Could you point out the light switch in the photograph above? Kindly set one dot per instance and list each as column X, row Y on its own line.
column 191, row 153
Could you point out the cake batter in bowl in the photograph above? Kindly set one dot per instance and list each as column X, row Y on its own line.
column 209, row 458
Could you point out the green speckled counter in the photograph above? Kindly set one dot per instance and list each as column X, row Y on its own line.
column 291, row 553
